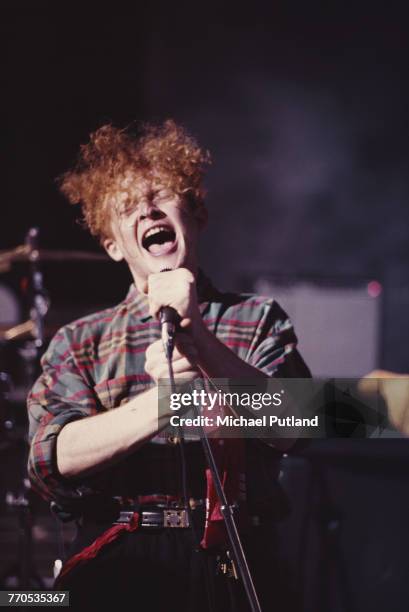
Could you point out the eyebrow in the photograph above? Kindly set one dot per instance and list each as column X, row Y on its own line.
column 130, row 203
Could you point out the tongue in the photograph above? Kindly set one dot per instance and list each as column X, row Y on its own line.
column 161, row 249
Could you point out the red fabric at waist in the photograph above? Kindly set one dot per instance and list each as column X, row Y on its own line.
column 91, row 551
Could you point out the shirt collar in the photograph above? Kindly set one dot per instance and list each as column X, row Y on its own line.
column 139, row 306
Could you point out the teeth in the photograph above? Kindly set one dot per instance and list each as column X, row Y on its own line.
column 156, row 230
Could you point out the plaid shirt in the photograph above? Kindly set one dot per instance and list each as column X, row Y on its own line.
column 97, row 363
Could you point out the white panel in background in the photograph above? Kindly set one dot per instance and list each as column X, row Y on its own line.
column 338, row 328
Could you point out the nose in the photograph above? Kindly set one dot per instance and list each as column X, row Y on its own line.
column 148, row 210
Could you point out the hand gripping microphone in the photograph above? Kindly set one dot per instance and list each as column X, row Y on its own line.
column 169, row 321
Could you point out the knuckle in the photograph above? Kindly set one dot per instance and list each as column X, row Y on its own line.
column 153, row 348
column 152, row 309
column 149, row 368
column 186, row 274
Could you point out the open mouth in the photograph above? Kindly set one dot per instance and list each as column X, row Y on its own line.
column 159, row 240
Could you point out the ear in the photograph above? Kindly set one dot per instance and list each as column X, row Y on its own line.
column 201, row 215
column 112, row 249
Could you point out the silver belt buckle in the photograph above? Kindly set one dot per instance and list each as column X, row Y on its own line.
column 176, row 518
column 151, row 519
column 124, row 517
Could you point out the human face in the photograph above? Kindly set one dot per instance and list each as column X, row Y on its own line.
column 153, row 228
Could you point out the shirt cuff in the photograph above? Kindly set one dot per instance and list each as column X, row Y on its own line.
column 42, row 462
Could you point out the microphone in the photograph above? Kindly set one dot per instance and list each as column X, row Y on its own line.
column 169, row 321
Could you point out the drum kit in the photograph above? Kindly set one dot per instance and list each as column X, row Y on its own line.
column 21, row 345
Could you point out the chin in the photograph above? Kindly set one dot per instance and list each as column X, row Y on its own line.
column 171, row 262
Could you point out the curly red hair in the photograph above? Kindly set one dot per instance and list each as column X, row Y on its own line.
column 165, row 150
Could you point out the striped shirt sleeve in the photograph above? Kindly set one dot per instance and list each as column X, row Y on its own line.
column 274, row 346
column 60, row 395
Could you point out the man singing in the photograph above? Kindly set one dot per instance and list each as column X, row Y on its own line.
column 95, row 449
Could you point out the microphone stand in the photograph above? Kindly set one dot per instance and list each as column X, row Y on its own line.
column 39, row 298
column 238, row 557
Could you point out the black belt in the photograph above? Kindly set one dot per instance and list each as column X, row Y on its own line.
column 174, row 518
column 158, row 511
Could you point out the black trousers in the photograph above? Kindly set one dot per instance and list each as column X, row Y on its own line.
column 152, row 570
column 164, row 570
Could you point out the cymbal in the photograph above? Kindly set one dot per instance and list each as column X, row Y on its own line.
column 25, row 330
column 17, row 331
column 24, row 252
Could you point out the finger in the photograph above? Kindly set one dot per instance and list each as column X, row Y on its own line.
column 372, row 382
column 190, row 354
column 154, row 308
column 382, row 374
column 162, row 373
column 155, row 350
column 188, row 375
column 155, row 282
column 185, row 322
column 368, row 386
column 182, row 365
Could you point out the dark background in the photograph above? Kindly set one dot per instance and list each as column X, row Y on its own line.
column 304, row 108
